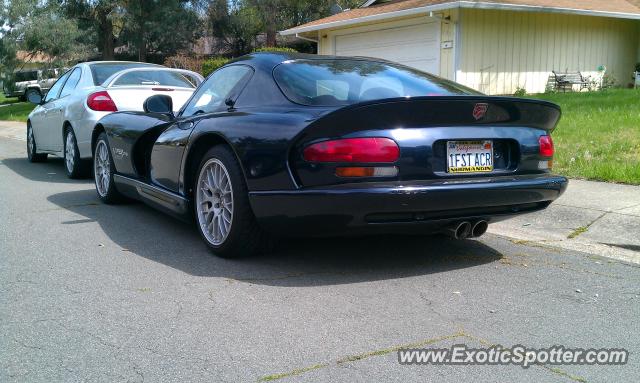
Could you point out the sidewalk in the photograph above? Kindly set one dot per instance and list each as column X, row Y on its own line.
column 593, row 217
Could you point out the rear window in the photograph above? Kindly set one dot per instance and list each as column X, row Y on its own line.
column 156, row 77
column 26, row 76
column 345, row 82
column 102, row 71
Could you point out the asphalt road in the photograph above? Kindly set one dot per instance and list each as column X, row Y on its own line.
column 107, row 294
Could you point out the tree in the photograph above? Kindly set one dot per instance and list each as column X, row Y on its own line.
column 38, row 27
column 234, row 26
column 101, row 19
column 235, row 21
column 161, row 26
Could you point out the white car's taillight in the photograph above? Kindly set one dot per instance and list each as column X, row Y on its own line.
column 101, row 102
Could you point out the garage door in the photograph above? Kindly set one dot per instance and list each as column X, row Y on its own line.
column 417, row 46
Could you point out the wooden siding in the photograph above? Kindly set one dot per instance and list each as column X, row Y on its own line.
column 501, row 51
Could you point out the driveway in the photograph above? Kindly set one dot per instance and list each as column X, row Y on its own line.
column 123, row 293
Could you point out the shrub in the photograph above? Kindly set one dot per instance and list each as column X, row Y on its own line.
column 211, row 65
column 275, row 49
column 181, row 61
column 608, row 81
column 520, row 92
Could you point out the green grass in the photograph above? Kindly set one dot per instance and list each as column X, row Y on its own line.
column 4, row 100
column 16, row 111
column 598, row 137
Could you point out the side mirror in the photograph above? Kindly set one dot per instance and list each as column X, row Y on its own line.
column 160, row 103
column 34, row 98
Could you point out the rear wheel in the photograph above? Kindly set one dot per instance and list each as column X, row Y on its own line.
column 103, row 172
column 75, row 167
column 32, row 148
column 221, row 203
column 31, row 92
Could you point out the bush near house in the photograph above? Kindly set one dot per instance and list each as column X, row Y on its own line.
column 211, row 65
column 598, row 137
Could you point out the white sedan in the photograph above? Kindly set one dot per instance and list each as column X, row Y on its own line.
column 63, row 122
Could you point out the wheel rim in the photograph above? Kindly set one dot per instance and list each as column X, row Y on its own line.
column 102, row 168
column 214, row 201
column 70, row 152
column 30, row 141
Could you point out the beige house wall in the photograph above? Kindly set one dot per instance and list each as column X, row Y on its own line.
column 497, row 52
column 503, row 50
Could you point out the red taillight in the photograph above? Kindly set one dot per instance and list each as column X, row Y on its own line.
column 374, row 149
column 101, row 102
column 546, row 146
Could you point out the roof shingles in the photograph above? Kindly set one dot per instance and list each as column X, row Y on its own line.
column 611, row 6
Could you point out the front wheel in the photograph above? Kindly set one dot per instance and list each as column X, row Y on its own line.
column 221, row 203
column 103, row 172
column 32, row 148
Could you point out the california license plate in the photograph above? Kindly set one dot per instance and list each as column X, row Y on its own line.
column 469, row 156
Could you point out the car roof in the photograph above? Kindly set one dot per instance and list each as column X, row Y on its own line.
column 273, row 59
column 117, row 62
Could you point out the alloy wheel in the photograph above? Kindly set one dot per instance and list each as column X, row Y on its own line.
column 214, row 201
column 70, row 152
column 102, row 168
column 30, row 141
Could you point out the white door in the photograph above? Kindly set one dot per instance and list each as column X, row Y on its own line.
column 43, row 131
column 417, row 46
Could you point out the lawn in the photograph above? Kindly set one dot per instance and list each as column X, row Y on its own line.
column 12, row 109
column 598, row 137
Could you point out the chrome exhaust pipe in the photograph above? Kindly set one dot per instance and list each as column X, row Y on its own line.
column 479, row 228
column 460, row 231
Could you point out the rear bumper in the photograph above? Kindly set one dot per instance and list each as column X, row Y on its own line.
column 417, row 207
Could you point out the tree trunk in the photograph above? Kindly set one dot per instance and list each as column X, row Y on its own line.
column 106, row 36
column 142, row 46
column 141, row 41
column 271, row 24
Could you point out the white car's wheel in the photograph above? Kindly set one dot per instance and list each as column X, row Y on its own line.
column 75, row 167
column 32, row 148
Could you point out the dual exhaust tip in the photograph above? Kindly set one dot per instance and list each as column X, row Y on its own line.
column 465, row 229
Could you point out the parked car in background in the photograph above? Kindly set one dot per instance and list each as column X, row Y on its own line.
column 63, row 120
column 36, row 81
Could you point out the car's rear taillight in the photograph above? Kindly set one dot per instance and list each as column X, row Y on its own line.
column 101, row 102
column 546, row 146
column 360, row 150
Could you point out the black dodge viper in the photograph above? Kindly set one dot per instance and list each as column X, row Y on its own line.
column 274, row 145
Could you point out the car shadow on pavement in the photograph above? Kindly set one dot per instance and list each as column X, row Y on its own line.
column 50, row 171
column 145, row 232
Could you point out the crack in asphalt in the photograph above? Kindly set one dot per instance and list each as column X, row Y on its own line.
column 358, row 357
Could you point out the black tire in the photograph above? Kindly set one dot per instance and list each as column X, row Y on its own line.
column 30, row 91
column 107, row 193
column 73, row 165
column 245, row 237
column 32, row 148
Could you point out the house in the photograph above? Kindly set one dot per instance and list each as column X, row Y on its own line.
column 493, row 46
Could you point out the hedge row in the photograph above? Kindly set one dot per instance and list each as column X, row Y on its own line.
column 213, row 64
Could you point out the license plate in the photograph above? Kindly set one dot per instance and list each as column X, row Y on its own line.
column 470, row 156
